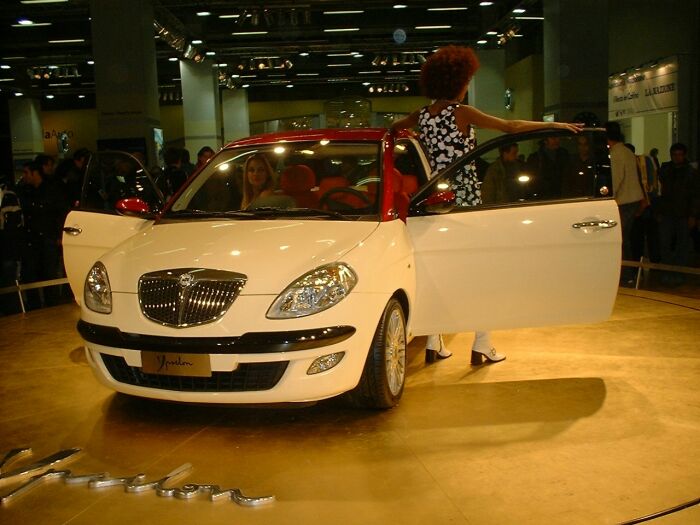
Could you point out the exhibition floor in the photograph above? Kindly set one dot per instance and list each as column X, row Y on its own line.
column 581, row 424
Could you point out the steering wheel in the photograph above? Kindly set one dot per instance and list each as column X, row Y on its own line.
column 337, row 205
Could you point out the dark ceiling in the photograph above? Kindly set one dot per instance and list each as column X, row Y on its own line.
column 295, row 47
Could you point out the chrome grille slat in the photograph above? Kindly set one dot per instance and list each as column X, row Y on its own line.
column 188, row 296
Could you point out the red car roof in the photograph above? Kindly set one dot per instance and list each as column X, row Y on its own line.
column 371, row 134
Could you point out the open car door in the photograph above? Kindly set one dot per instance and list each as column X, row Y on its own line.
column 101, row 222
column 542, row 249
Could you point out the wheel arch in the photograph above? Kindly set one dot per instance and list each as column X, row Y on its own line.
column 401, row 296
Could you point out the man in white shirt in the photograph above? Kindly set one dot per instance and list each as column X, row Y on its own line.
column 627, row 191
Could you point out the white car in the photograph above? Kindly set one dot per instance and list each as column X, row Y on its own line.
column 315, row 289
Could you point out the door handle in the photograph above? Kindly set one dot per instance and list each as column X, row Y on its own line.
column 73, row 230
column 603, row 224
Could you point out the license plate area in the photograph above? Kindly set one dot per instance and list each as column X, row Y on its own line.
column 175, row 364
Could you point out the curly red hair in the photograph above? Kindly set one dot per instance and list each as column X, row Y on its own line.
column 447, row 71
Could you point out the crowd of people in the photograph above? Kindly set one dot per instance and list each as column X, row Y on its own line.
column 178, row 168
column 659, row 205
column 33, row 212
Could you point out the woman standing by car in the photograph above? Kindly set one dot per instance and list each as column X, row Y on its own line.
column 447, row 131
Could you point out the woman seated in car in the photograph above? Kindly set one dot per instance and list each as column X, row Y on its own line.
column 258, row 180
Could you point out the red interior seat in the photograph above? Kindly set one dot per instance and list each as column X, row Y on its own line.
column 297, row 181
column 409, row 184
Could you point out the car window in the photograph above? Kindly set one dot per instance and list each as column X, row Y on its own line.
column 544, row 167
column 112, row 176
column 329, row 176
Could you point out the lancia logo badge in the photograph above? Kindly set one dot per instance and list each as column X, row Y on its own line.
column 186, row 280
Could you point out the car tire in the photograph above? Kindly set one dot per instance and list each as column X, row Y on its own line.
column 384, row 374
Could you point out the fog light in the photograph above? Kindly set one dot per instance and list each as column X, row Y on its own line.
column 325, row 362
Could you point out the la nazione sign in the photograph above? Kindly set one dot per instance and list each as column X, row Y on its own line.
column 652, row 89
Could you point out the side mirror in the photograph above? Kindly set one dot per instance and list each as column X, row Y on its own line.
column 133, row 207
column 439, row 202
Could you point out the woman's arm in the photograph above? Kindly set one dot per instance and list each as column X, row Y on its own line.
column 466, row 115
column 411, row 121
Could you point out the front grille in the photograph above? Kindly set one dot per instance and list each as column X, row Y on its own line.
column 188, row 296
column 246, row 378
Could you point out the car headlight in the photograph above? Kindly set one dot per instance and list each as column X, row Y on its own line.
column 98, row 294
column 314, row 292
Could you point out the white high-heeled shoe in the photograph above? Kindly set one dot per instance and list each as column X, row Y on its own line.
column 433, row 355
column 490, row 355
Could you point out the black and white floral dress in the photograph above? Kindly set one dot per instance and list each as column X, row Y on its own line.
column 446, row 143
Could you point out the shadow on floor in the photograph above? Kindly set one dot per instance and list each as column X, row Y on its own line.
column 422, row 408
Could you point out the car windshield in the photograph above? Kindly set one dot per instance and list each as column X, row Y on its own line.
column 320, row 179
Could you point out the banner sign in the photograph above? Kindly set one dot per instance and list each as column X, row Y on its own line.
column 646, row 90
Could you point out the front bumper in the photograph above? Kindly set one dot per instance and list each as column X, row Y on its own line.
column 270, row 358
column 263, row 367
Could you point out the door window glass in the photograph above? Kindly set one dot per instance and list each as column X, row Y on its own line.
column 546, row 167
column 112, row 176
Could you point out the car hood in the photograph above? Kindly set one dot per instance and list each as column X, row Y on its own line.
column 271, row 253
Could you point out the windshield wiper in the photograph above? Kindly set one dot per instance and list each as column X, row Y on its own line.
column 257, row 213
column 297, row 212
column 208, row 214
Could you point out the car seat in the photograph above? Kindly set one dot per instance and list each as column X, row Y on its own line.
column 298, row 181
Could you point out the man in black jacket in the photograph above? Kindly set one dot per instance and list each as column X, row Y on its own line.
column 45, row 208
column 677, row 209
column 72, row 173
